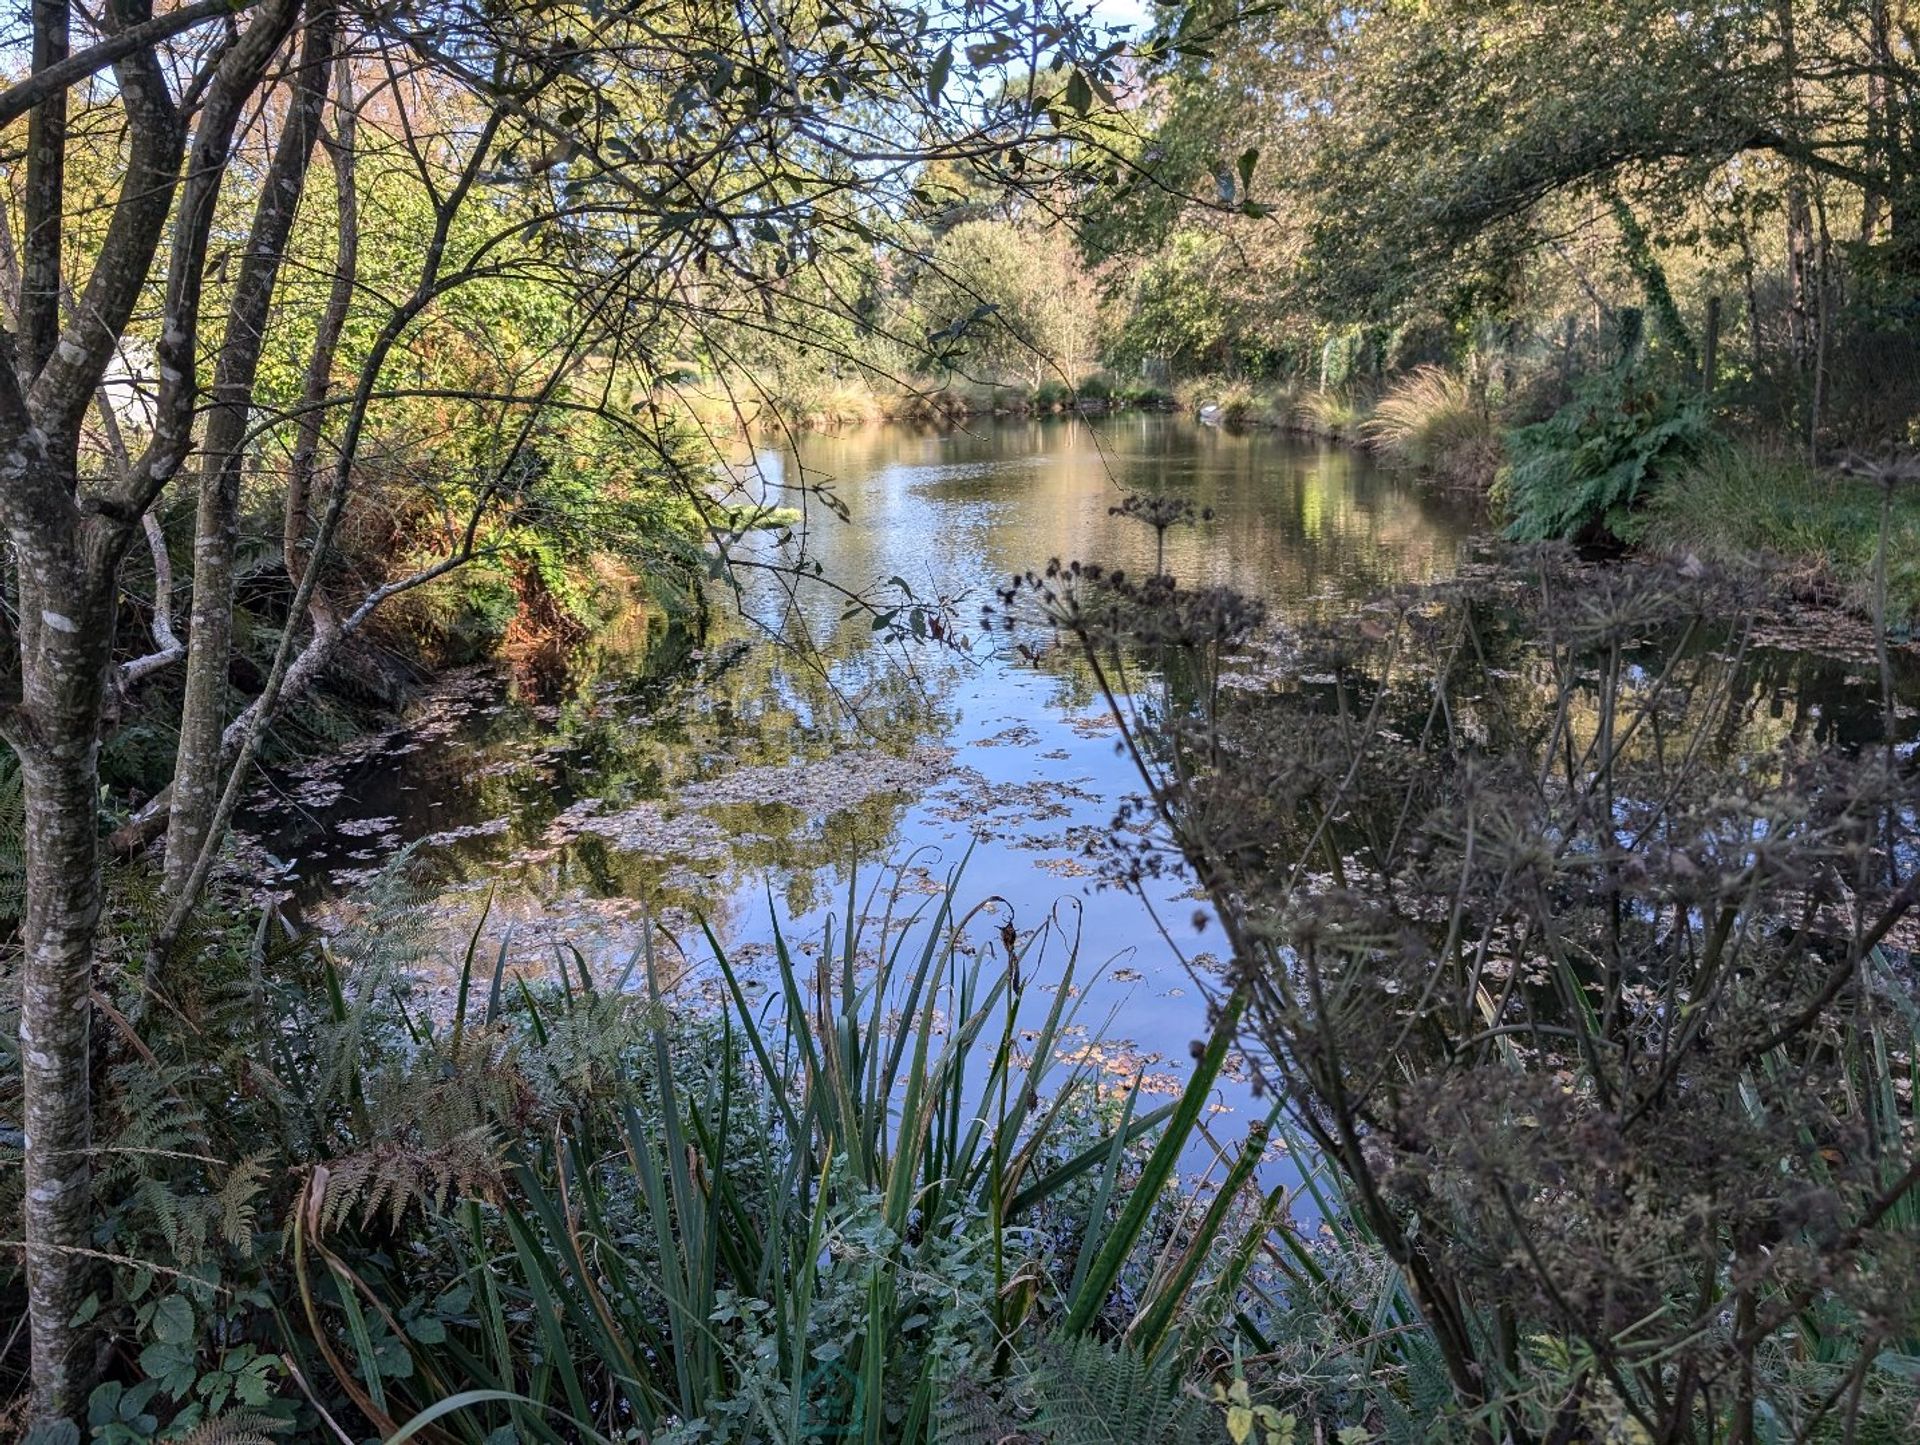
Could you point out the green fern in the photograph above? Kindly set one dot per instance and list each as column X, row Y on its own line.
column 1588, row 468
column 239, row 1427
column 1092, row 1393
column 138, row 756
column 1082, row 1392
column 13, row 840
column 423, row 1114
column 435, row 1118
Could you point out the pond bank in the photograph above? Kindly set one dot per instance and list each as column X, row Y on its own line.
column 857, row 404
column 1734, row 501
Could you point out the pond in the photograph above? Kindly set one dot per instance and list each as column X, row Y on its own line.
column 754, row 774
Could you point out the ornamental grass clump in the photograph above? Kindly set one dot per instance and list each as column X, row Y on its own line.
column 1436, row 421
column 1594, row 988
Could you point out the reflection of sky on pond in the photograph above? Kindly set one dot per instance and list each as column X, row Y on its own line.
column 737, row 780
column 571, row 812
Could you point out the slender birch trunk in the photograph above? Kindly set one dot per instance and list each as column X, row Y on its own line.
column 198, row 773
column 66, row 631
column 1801, row 325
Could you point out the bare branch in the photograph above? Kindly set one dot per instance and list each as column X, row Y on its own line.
column 18, row 99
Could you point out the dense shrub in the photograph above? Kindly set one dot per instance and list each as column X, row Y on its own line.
column 1052, row 396
column 1146, row 395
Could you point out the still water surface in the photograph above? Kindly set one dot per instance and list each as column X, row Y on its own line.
column 742, row 776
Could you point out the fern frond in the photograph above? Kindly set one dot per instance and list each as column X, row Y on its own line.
column 13, row 840
column 393, row 1177
column 1081, row 1392
column 151, row 1132
column 1092, row 1393
column 239, row 1427
column 235, row 1201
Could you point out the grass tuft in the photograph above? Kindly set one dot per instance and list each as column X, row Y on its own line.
column 1434, row 421
column 1738, row 503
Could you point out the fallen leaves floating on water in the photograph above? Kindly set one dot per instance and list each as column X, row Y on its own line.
column 492, row 828
column 319, row 793
column 1017, row 736
column 827, row 785
column 1065, row 867
column 654, row 828
column 365, row 827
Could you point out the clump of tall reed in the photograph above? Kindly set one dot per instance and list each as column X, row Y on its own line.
column 1326, row 412
column 1231, row 401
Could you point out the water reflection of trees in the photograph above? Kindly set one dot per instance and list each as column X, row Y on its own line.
column 746, row 705
column 785, row 675
column 502, row 804
column 1291, row 519
column 646, row 709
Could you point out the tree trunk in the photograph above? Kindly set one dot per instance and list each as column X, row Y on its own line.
column 66, row 632
column 1710, row 348
column 1800, row 325
column 1749, row 276
column 317, row 383
column 70, row 533
column 198, row 775
column 39, row 303
column 1800, row 279
column 47, row 165
column 196, row 767
column 1900, row 129
column 1823, row 328
column 64, row 908
column 1873, row 203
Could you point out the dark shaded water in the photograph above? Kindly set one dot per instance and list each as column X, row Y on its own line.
column 739, row 780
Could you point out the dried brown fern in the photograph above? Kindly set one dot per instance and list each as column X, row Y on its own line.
column 394, row 1176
